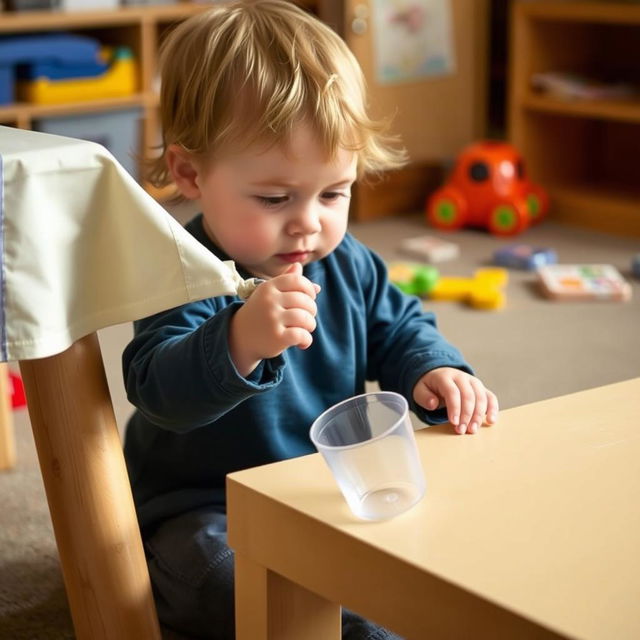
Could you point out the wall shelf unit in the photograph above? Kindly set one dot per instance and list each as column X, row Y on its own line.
column 141, row 28
column 584, row 151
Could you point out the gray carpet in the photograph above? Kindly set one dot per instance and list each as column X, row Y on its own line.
column 531, row 350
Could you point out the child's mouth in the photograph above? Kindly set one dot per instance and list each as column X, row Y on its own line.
column 296, row 256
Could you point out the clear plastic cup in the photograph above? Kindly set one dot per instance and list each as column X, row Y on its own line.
column 368, row 443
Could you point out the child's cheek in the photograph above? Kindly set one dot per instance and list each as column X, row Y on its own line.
column 255, row 240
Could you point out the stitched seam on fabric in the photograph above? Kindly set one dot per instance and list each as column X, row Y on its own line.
column 3, row 288
column 91, row 317
column 185, row 277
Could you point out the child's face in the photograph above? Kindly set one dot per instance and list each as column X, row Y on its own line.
column 269, row 209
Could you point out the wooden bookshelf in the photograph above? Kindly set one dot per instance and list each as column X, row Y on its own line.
column 140, row 28
column 584, row 151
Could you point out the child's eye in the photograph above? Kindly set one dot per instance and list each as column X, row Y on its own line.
column 334, row 195
column 271, row 201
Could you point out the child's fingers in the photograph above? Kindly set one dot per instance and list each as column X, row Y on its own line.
column 451, row 398
column 293, row 280
column 468, row 401
column 299, row 300
column 295, row 268
column 480, row 410
column 492, row 408
column 297, row 337
column 299, row 318
column 424, row 397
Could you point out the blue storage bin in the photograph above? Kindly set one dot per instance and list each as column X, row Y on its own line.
column 118, row 131
column 62, row 49
column 7, row 84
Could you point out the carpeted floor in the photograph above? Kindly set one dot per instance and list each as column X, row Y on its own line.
column 533, row 349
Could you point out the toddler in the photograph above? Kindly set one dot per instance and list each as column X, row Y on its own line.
column 265, row 123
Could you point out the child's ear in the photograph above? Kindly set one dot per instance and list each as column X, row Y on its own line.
column 183, row 170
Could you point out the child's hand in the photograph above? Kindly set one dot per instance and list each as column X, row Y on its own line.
column 467, row 400
column 279, row 314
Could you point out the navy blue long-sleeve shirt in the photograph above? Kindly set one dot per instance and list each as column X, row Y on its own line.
column 197, row 419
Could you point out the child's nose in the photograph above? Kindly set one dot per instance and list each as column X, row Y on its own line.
column 306, row 220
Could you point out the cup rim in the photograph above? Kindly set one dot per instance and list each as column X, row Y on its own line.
column 351, row 399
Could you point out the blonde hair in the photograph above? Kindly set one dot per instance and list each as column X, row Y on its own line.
column 247, row 72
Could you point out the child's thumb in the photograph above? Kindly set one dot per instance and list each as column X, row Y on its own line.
column 295, row 268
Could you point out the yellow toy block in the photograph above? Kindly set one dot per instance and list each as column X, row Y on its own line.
column 484, row 290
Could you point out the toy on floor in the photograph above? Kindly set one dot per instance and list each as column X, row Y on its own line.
column 488, row 188
column 524, row 256
column 430, row 249
column 583, row 282
column 413, row 279
column 484, row 290
column 635, row 265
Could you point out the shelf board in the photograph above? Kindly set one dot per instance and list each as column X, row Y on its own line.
column 625, row 110
column 603, row 207
column 600, row 12
column 20, row 110
column 46, row 20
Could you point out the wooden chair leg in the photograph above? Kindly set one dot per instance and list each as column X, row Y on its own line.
column 89, row 496
column 7, row 439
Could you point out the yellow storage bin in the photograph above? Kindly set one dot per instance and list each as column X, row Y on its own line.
column 119, row 80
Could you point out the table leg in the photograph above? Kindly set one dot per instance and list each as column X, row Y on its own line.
column 270, row 607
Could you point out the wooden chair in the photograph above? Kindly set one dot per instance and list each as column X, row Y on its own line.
column 85, row 247
column 89, row 496
column 7, row 439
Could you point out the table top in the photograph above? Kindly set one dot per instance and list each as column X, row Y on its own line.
column 538, row 516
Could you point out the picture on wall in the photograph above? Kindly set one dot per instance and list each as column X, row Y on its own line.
column 413, row 40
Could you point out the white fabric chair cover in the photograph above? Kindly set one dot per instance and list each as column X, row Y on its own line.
column 85, row 247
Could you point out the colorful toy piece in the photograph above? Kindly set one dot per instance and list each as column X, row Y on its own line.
column 485, row 290
column 523, row 256
column 488, row 188
column 583, row 282
column 413, row 279
column 430, row 249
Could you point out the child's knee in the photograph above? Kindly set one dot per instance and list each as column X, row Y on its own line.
column 191, row 569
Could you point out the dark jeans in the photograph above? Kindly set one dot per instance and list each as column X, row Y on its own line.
column 191, row 568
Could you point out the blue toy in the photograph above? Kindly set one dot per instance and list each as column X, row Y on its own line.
column 523, row 256
column 635, row 265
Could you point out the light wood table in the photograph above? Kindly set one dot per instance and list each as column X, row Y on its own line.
column 529, row 529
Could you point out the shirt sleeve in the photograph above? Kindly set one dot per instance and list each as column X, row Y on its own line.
column 178, row 371
column 403, row 339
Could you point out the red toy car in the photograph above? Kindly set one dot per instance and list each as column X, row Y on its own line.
column 488, row 188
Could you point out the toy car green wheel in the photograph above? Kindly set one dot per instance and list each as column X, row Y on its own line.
column 507, row 219
column 534, row 207
column 537, row 202
column 447, row 210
